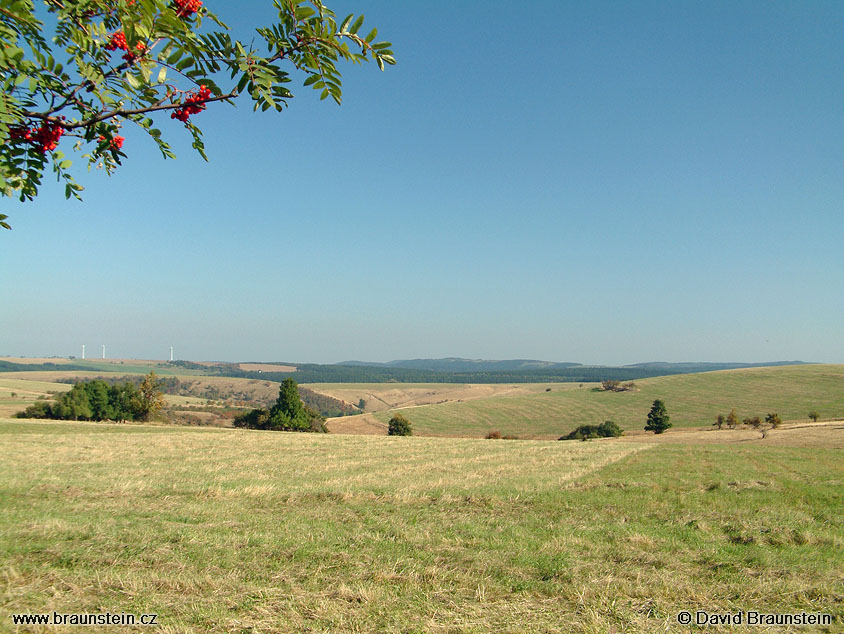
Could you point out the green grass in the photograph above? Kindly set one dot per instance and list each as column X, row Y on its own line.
column 692, row 400
column 238, row 531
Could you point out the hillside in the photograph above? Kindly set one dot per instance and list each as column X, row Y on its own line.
column 692, row 400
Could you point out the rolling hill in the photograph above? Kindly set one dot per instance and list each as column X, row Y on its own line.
column 692, row 400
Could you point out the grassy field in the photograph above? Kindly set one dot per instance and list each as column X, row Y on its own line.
column 238, row 531
column 692, row 400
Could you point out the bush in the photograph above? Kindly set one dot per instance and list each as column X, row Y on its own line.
column 773, row 420
column 607, row 429
column 36, row 410
column 493, row 435
column 399, row 426
column 814, row 415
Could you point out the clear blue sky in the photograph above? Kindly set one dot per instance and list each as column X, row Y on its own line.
column 598, row 182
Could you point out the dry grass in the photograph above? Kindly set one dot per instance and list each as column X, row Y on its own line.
column 823, row 435
column 238, row 531
column 385, row 396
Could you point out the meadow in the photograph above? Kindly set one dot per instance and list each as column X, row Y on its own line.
column 223, row 530
column 693, row 400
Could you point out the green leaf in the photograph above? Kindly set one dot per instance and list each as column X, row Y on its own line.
column 162, row 75
column 356, row 26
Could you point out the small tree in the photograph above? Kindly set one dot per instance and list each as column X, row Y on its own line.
column 658, row 419
column 753, row 421
column 719, row 421
column 150, row 399
column 814, row 415
column 399, row 426
column 732, row 419
column 773, row 420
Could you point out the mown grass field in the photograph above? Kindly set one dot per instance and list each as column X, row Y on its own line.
column 238, row 531
column 692, row 400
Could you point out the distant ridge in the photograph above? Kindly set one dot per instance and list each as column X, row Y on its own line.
column 458, row 364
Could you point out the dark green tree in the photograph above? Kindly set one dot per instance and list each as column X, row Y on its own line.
column 658, row 419
column 288, row 413
column 73, row 404
column 399, row 426
column 814, row 415
column 99, row 398
column 719, row 421
column 125, row 401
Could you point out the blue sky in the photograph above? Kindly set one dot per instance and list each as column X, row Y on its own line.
column 595, row 182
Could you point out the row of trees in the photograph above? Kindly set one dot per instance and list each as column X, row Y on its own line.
column 97, row 400
column 731, row 420
column 287, row 414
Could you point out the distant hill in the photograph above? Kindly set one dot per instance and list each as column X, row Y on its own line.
column 688, row 368
column 457, row 364
column 448, row 370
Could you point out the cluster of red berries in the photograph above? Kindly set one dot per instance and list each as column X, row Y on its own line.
column 186, row 8
column 45, row 138
column 118, row 41
column 116, row 142
column 194, row 104
column 131, row 56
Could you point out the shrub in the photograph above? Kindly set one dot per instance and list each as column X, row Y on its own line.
column 814, row 415
column 719, row 421
column 493, row 435
column 36, row 410
column 753, row 421
column 399, row 426
column 607, row 429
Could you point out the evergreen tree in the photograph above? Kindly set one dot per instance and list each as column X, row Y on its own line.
column 288, row 413
column 658, row 419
